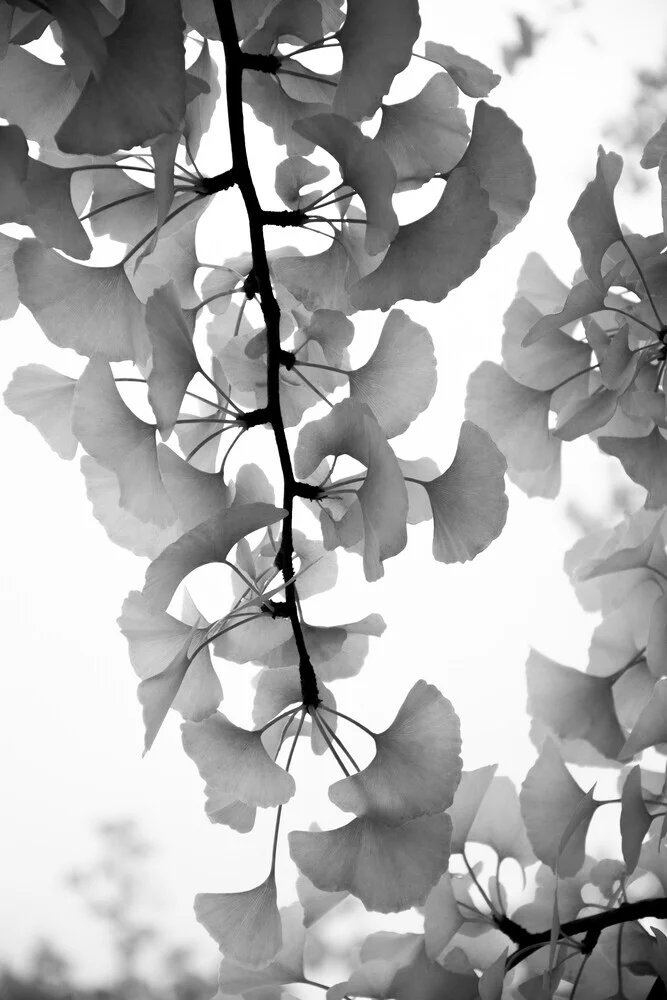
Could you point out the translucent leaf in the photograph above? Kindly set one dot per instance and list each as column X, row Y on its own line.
column 389, row 868
column 515, row 416
column 655, row 148
column 141, row 90
column 35, row 95
column 9, row 297
column 273, row 106
column 315, row 903
column 83, row 26
column 163, row 151
column 157, row 693
column 582, row 299
column 275, row 690
column 44, row 397
column 651, row 550
column 233, row 761
column 365, row 167
column 442, row 917
column 550, row 797
column 582, row 416
column 286, row 967
column 209, row 542
column 635, row 818
column 398, row 380
column 199, row 111
column 573, row 704
column 467, row 799
column 377, row 41
column 473, row 77
column 173, row 358
column 645, row 461
column 196, row 495
column 593, row 221
column 498, row 158
column 92, row 310
column 425, row 135
column 122, row 527
column 351, row 429
column 498, row 823
column 468, row 501
column 416, row 767
column 225, row 809
column 421, row 469
column 656, row 645
column 246, row 925
column 493, row 977
column 292, row 175
column 651, row 726
column 434, row 254
column 546, row 362
column 111, row 433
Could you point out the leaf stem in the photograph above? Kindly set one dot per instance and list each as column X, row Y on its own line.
column 313, row 387
column 279, row 814
column 326, row 368
column 335, row 737
column 327, row 740
column 348, row 718
column 146, row 238
column 481, row 888
column 191, row 455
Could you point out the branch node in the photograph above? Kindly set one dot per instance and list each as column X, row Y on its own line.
column 261, row 62
column 285, row 218
column 287, row 359
column 308, row 491
column 221, row 182
column 254, row 418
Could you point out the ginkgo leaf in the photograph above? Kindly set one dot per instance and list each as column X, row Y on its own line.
column 111, row 433
column 35, row 95
column 365, row 167
column 582, row 416
column 173, row 358
column 377, row 41
column 468, row 501
column 515, row 416
column 225, row 809
column 210, row 541
column 314, row 901
column 286, row 967
column 650, row 728
column 425, row 135
column 83, row 28
column 582, row 299
column 473, row 77
column 573, row 704
column 157, row 693
column 416, row 767
column 44, row 397
column 389, row 868
column 593, row 221
column 292, row 175
column 635, row 818
column 141, row 90
column 273, row 106
column 467, row 799
column 199, row 111
column 351, row 429
column 644, row 460
column 651, row 550
column 92, row 310
column 245, row 925
column 196, row 495
column 434, row 254
column 233, row 761
column 550, row 797
column 655, row 148
column 398, row 380
column 9, row 296
column 442, row 917
column 123, row 528
column 498, row 158
column 545, row 362
column 499, row 824
column 163, row 151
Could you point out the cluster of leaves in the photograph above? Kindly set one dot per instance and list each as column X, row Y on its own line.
column 266, row 337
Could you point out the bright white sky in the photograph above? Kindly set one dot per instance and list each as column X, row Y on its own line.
column 70, row 731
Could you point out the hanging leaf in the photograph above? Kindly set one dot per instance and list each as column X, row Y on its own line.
column 650, row 728
column 173, row 358
column 35, row 95
column 635, row 818
column 645, row 461
column 211, row 541
column 111, row 433
column 473, row 77
column 246, row 925
column 44, row 397
column 573, row 704
column 425, row 135
column 141, row 90
column 199, row 111
column 467, row 799
column 286, row 967
column 416, row 767
column 365, row 167
column 233, row 761
column 499, row 160
column 468, row 500
column 351, row 429
column 430, row 257
column 550, row 797
column 377, row 41
column 593, row 221
column 92, row 310
column 499, row 824
column 398, row 380
column 389, row 868
column 292, row 175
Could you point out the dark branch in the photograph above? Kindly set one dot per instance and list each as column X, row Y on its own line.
column 235, row 62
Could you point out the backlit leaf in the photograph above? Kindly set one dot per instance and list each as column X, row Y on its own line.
column 645, row 461
column 473, row 77
column 389, row 868
column 593, row 221
column 246, row 925
column 467, row 799
column 499, row 824
column 173, row 359
column 286, row 967
column 44, row 397
column 651, row 726
column 635, row 818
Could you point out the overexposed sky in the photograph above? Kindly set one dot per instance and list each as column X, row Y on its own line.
column 70, row 723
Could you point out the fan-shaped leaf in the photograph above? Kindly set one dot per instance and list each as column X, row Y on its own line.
column 173, row 359
column 246, row 925
column 635, row 818
column 645, row 461
column 473, row 77
column 651, row 726
column 593, row 221
column 44, row 397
